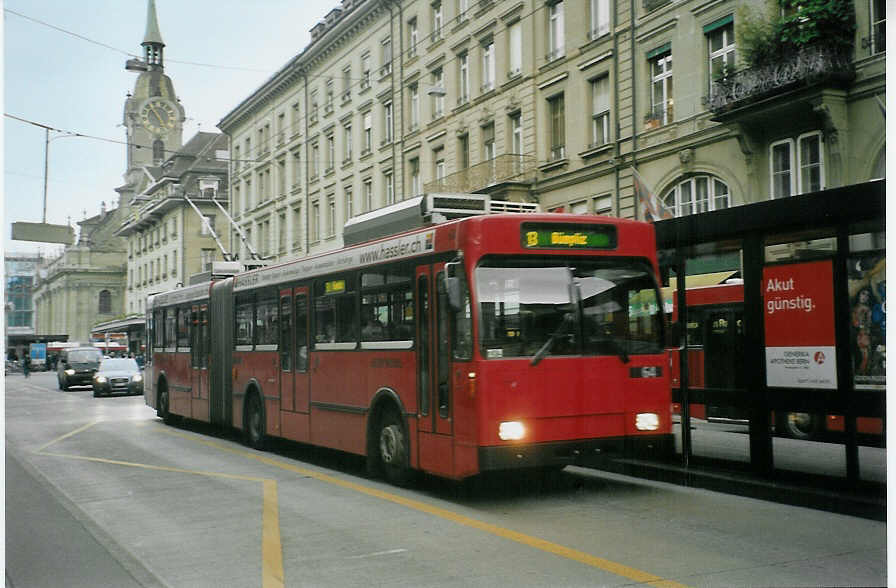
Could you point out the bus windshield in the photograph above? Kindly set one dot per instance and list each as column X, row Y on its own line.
column 567, row 306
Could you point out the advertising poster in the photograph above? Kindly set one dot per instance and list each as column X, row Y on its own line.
column 867, row 283
column 800, row 348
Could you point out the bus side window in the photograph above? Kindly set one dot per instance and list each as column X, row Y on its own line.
column 183, row 328
column 243, row 322
column 205, row 343
column 267, row 331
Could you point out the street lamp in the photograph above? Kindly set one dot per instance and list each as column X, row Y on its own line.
column 47, row 140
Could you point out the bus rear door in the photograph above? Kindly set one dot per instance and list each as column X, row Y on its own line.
column 434, row 422
column 294, row 384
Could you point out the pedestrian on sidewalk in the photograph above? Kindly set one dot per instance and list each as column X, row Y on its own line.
column 26, row 365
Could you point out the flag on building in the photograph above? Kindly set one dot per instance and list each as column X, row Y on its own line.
column 652, row 208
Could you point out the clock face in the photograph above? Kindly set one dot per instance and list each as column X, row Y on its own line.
column 158, row 115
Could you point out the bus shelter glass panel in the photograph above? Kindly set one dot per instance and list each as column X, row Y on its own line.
column 799, row 327
column 866, row 276
column 713, row 336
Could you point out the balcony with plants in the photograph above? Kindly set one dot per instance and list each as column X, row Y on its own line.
column 790, row 51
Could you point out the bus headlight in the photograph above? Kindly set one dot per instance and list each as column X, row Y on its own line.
column 647, row 421
column 100, row 379
column 511, row 431
column 69, row 372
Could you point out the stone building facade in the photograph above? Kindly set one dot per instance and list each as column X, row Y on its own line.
column 555, row 102
column 167, row 239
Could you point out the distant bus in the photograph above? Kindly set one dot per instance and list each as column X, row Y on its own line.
column 494, row 342
column 715, row 347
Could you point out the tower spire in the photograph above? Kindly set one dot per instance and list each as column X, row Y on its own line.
column 152, row 40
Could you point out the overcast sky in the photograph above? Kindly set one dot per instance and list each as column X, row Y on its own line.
column 76, row 81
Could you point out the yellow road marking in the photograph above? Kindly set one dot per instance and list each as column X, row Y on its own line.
column 271, row 549
column 535, row 542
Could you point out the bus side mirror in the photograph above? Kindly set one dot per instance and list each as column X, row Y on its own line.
column 453, row 286
column 673, row 335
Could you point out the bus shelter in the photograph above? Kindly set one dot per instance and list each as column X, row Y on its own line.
column 781, row 309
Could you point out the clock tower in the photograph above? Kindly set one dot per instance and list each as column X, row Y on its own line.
column 153, row 116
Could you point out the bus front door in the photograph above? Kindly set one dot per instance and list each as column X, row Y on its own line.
column 434, row 406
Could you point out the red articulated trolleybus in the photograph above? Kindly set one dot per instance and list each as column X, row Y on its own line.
column 491, row 342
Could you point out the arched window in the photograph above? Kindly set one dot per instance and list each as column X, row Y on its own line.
column 158, row 150
column 105, row 301
column 697, row 194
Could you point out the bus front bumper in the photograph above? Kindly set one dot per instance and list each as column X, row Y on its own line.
column 578, row 452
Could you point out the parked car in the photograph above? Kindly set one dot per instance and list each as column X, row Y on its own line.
column 118, row 375
column 77, row 365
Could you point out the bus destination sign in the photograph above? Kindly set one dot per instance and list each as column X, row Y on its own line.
column 568, row 236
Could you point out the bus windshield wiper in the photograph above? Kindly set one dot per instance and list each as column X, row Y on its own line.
column 539, row 355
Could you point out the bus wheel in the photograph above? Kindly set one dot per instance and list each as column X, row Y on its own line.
column 254, row 422
column 393, row 450
column 798, row 425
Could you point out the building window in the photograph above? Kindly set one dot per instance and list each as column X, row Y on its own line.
column 515, row 49
column 174, row 262
column 436, row 21
column 315, row 221
column 367, row 136
column 811, row 163
column 580, row 207
column 600, row 18
column 368, row 195
column 722, row 51
column 389, row 188
column 296, row 120
column 661, row 88
column 296, row 169
column 414, row 166
column 438, row 157
column 463, row 78
column 878, row 26
column 463, row 151
column 331, row 153
column 387, row 122
column 488, row 66
column 603, row 205
column 331, row 216
column 105, row 302
column 315, row 160
column 386, row 68
column 557, row 127
column 488, row 142
column 438, row 97
column 556, row 38
column 281, row 233
column 349, row 204
column 312, row 113
column 414, row 106
column 158, row 150
column 206, row 257
column 297, row 228
column 462, row 7
column 365, row 71
column 516, row 140
column 346, row 83
column 347, row 143
column 600, row 111
column 412, row 37
column 781, row 162
column 697, row 194
column 206, row 228
column 281, row 177
column 797, row 167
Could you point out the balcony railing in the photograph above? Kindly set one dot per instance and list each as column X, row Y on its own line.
column 502, row 168
column 811, row 65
